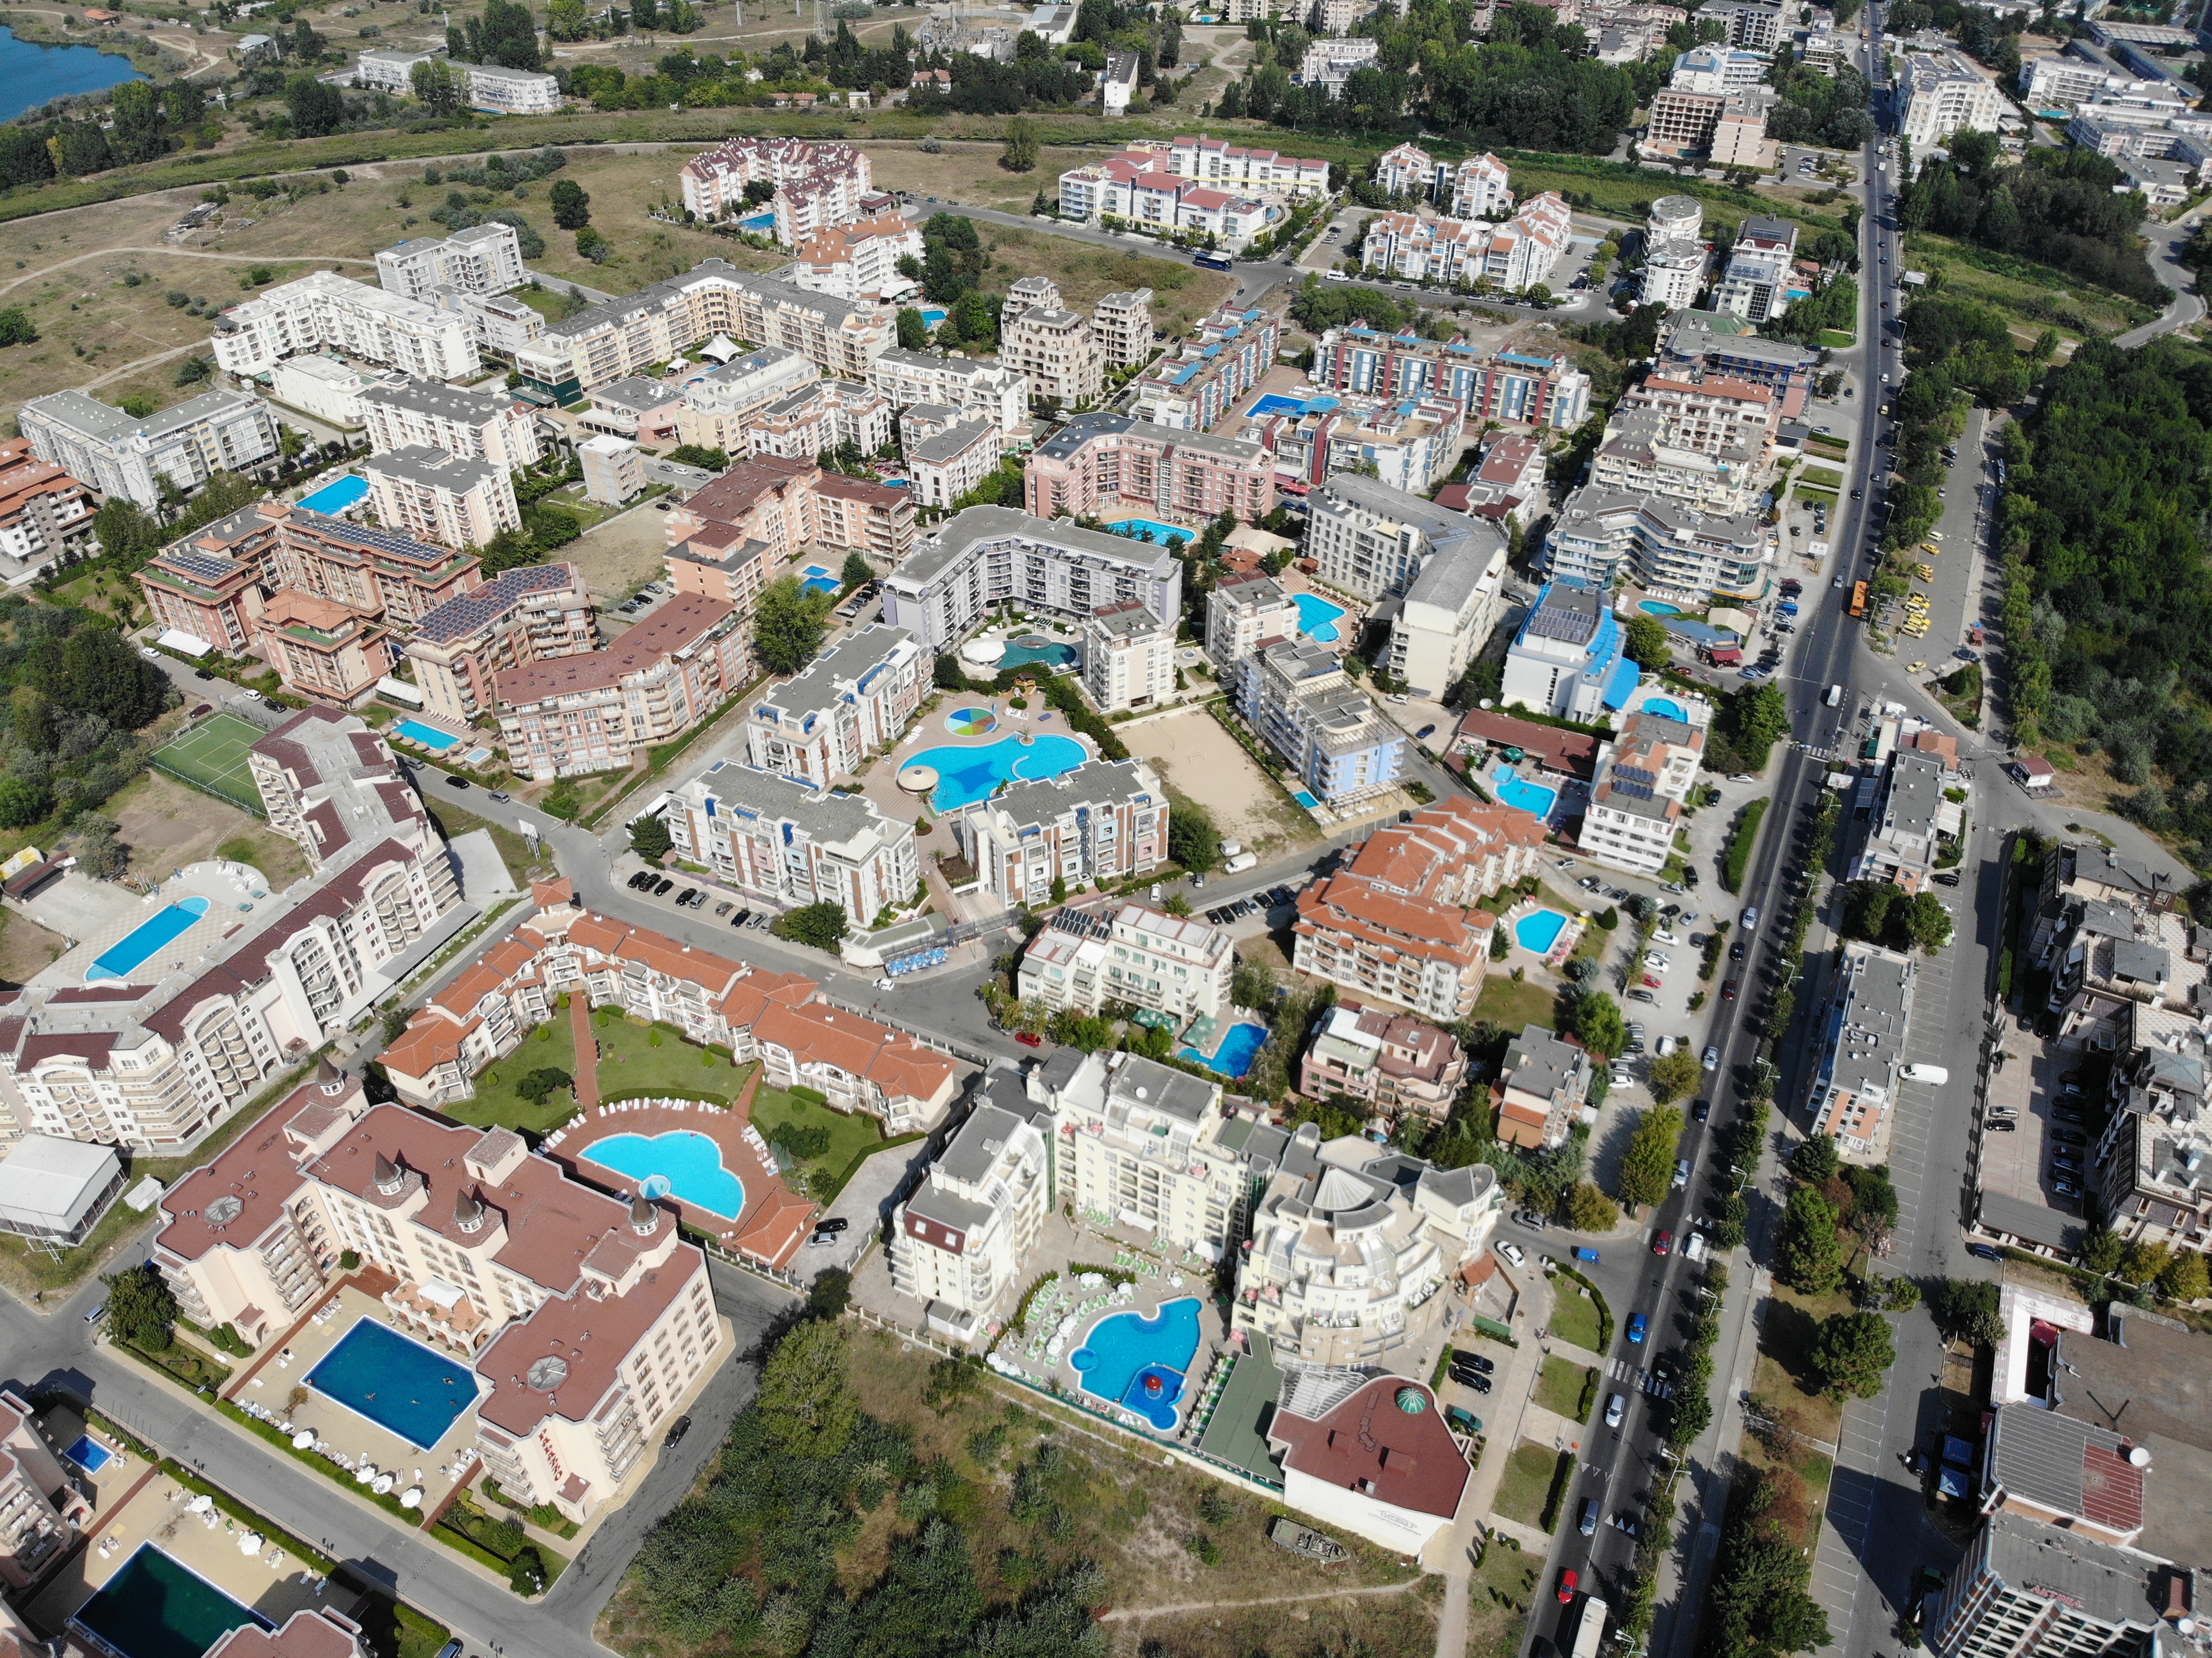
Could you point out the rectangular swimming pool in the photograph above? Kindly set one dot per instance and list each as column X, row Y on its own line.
column 129, row 953
column 157, row 1607
column 395, row 1381
column 335, row 497
column 428, row 736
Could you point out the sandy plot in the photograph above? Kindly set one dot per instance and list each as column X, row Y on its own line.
column 167, row 825
column 623, row 553
column 1197, row 758
column 26, row 948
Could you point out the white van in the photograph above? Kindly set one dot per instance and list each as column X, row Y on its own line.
column 1927, row 1073
column 1239, row 864
column 1834, row 696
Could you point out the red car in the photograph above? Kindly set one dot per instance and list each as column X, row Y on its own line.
column 1568, row 1579
column 1663, row 1244
column 1651, row 982
column 1028, row 1041
column 1728, row 991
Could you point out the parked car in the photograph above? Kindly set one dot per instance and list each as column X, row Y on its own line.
column 454, row 782
column 2001, row 1125
column 1727, row 990
column 1642, row 996
column 1512, row 1252
column 1474, row 1380
column 1986, row 1252
column 1028, row 1040
column 1947, row 877
column 1640, row 1325
column 661, row 887
column 676, row 1430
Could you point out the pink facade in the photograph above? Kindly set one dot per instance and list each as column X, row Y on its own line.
column 1105, row 464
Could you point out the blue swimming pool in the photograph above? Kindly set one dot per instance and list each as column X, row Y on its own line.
column 1275, row 403
column 1515, row 790
column 759, row 222
column 1317, row 618
column 1127, row 1353
column 932, row 314
column 1137, row 528
column 156, row 1606
column 1233, row 1057
column 820, row 578
column 428, row 736
column 88, row 1454
column 1659, row 607
column 395, row 1381
column 1044, row 652
column 1538, row 930
column 1306, row 799
column 127, row 954
column 687, row 1165
column 335, row 498
column 1664, row 707
column 967, row 775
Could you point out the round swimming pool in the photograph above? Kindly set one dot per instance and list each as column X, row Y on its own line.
column 1665, row 709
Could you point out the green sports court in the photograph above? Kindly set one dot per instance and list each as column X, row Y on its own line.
column 212, row 758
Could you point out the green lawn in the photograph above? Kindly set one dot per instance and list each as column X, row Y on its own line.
column 851, row 1139
column 1527, row 1483
column 1506, row 1002
column 1837, row 340
column 1824, row 497
column 1565, row 1385
column 1574, row 1318
column 647, row 1059
column 1821, row 477
column 496, row 1105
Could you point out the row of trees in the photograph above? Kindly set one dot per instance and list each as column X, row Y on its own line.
column 2069, row 208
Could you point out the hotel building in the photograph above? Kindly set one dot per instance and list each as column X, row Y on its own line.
column 323, row 311
column 473, row 425
column 859, row 261
column 1106, row 465
column 1401, row 1066
column 1861, row 1051
column 718, row 407
column 962, row 1241
column 45, row 513
column 119, row 454
column 434, row 496
column 1128, row 658
column 521, row 616
column 974, row 388
column 987, row 556
column 1644, row 776
column 1082, row 960
column 817, row 185
column 485, row 259
column 1297, row 696
column 1200, row 377
column 1521, row 388
column 1520, row 252
column 853, row 701
column 787, row 841
column 1245, row 610
column 1104, row 822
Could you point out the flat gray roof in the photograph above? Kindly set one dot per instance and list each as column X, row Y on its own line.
column 954, row 539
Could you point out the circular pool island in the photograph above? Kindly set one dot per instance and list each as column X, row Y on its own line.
column 918, row 779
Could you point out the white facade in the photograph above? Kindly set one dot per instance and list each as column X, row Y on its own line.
column 962, row 1239
column 1128, row 658
column 1144, row 1152
column 1449, row 612
column 1942, row 94
column 1517, row 253
column 614, row 472
column 718, row 404
column 485, row 259
column 1244, row 612
column 1478, row 188
column 322, row 387
column 853, row 701
column 1328, row 64
column 948, row 465
column 325, row 312
column 783, row 839
column 476, row 425
column 978, row 387
column 435, row 496
column 505, row 91
column 1372, row 539
column 859, row 261
column 1643, row 776
column 1674, row 272
column 991, row 555
column 1177, row 968
column 119, row 454
column 389, row 71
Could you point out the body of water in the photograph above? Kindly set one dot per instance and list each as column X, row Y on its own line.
column 32, row 75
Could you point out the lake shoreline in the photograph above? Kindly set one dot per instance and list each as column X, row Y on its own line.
column 41, row 36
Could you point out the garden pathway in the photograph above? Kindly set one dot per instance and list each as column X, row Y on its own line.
column 1121, row 1614
column 587, row 1055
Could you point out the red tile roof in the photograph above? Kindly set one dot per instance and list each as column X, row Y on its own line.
column 1374, row 1445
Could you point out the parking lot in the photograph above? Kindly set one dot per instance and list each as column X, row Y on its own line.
column 2035, row 1131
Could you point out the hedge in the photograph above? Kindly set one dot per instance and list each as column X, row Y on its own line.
column 389, row 1502
column 1737, row 859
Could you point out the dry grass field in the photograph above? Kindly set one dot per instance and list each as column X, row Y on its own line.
column 167, row 825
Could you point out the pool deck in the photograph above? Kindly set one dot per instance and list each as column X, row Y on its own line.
column 234, row 892
column 772, row 1228
column 1562, row 947
column 881, row 783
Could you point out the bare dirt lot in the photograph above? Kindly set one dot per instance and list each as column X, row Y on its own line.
column 623, row 553
column 1196, row 758
column 167, row 825
column 25, row 948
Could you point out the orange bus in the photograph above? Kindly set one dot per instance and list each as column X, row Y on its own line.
column 1858, row 601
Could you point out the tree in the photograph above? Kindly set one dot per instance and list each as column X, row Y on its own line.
column 1675, row 1077
column 317, row 108
column 804, row 1400
column 788, row 625
column 1647, row 1167
column 1595, row 1018
column 1924, row 922
column 2187, row 1277
column 506, row 34
column 1807, row 1257
column 1589, row 1210
column 913, row 331
column 821, row 925
column 856, row 569
column 567, row 20
column 1852, row 1352
column 1795, row 1622
column 17, row 328
column 1815, row 1162
column 572, row 207
column 139, row 1309
column 1965, row 1310
column 22, row 802
column 649, row 838
column 1020, row 154
column 438, row 89
column 590, row 245
column 1192, row 841
column 542, row 1083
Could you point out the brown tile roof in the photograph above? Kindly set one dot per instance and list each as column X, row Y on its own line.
column 852, row 489
column 1572, row 752
column 256, row 1168
column 318, row 1634
column 683, row 621
column 734, row 494
column 1371, row 1445
column 820, row 1034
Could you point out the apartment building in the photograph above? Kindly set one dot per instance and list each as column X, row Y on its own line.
column 473, row 425
column 1911, row 822
column 1752, row 25
column 1514, row 253
column 1053, row 347
column 1123, row 325
column 784, row 840
column 1509, row 487
column 1674, row 272
column 853, row 701
column 950, row 463
column 822, row 417
column 1128, row 658
column 531, row 614
column 587, row 1319
column 1350, row 1252
column 1104, row 822
column 1639, row 456
column 1410, row 445
column 1754, row 279
column 2146, row 1172
column 1449, row 611
column 987, row 556
column 1543, row 1087
column 499, row 323
column 1718, row 67
column 1406, row 170
column 322, row 648
column 1698, row 343
column 1644, row 776
column 1217, row 162
column 435, row 496
column 485, row 259
column 1107, row 466
column 153, row 1065
column 1082, row 960
column 1676, row 552
column 859, row 261
column 1398, row 1066
column 1243, row 611
column 1372, row 539
column 1478, row 188
column 1567, row 660
column 1943, row 92
column 1147, row 1148
column 2063, row 1474
column 387, row 70
column 1338, row 744
column 976, row 388
column 498, row 90
column 1199, row 380
column 41, row 1511
column 613, row 469
column 961, row 1243
column 322, row 387
column 1521, row 388
column 1862, row 1048
column 1140, row 189
column 1328, row 64
column 872, row 519
column 2024, row 1589
column 625, row 337
column 1398, row 922
column 325, row 312
column 817, row 185
column 570, row 716
column 724, row 539
column 46, row 514
column 119, row 454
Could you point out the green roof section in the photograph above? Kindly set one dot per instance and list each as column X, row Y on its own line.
column 1237, row 1432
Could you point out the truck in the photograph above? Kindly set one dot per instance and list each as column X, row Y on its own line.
column 1239, row 864
column 1589, row 1627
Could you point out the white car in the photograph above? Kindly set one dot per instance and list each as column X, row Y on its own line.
column 1512, row 1252
column 1623, row 1080
column 1616, row 1407
column 1656, row 962
column 1667, row 1045
column 1660, row 935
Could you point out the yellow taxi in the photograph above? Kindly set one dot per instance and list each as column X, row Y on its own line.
column 1927, row 571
